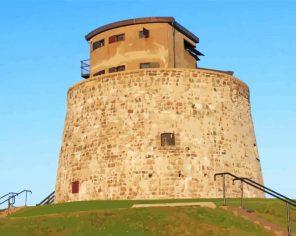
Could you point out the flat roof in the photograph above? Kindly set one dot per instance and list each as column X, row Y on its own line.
column 146, row 20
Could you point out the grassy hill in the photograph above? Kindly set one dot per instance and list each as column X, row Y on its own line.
column 117, row 218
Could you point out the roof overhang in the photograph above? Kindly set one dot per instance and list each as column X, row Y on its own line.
column 146, row 20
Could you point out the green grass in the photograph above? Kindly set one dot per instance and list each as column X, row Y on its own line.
column 272, row 210
column 94, row 205
column 117, row 218
column 133, row 222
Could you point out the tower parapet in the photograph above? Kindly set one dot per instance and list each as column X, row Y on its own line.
column 141, row 43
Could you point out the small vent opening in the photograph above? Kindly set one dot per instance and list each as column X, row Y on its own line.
column 167, row 139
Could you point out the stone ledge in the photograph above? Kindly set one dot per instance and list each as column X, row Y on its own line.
column 160, row 71
column 200, row 204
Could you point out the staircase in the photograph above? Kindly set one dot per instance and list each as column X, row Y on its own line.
column 257, row 220
column 8, row 211
column 275, row 229
column 9, row 198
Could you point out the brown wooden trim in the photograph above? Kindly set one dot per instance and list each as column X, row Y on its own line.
column 146, row 20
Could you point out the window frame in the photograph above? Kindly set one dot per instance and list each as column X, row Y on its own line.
column 98, row 44
column 117, row 68
column 149, row 65
column 144, row 33
column 166, row 141
column 101, row 72
column 120, row 68
column 116, row 38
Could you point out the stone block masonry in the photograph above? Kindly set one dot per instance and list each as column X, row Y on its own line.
column 113, row 147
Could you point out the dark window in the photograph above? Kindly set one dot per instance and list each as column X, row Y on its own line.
column 120, row 37
column 144, row 33
column 149, row 65
column 112, row 39
column 112, row 69
column 120, row 68
column 117, row 68
column 167, row 139
column 101, row 72
column 116, row 38
column 75, row 187
column 98, row 44
column 144, row 65
column 192, row 50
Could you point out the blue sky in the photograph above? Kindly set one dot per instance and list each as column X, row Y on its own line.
column 41, row 45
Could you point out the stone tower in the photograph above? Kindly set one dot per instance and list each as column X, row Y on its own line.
column 148, row 123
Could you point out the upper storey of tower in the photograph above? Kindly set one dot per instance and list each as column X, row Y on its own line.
column 153, row 42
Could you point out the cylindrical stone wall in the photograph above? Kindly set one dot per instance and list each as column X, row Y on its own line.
column 112, row 136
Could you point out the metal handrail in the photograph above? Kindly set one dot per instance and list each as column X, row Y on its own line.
column 224, row 186
column 260, row 187
column 267, row 190
column 11, row 193
column 224, row 173
column 47, row 200
column 12, row 197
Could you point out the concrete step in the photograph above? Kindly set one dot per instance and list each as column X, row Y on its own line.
column 200, row 204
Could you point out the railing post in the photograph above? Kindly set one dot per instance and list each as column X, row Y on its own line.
column 224, row 191
column 8, row 204
column 13, row 201
column 288, row 217
column 26, row 199
column 242, row 195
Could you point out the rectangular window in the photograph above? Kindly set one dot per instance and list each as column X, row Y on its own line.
column 112, row 69
column 75, row 187
column 116, row 38
column 101, row 72
column 149, row 65
column 112, row 39
column 98, row 44
column 144, row 33
column 121, row 68
column 167, row 139
column 120, row 37
column 117, row 68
